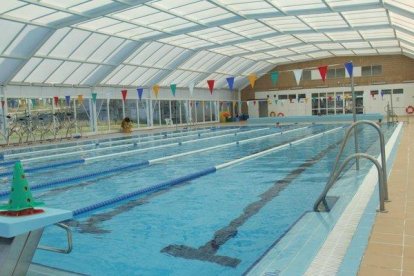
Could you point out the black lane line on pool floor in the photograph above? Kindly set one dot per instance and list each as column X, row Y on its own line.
column 208, row 251
column 90, row 226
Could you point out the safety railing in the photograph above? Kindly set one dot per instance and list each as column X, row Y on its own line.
column 69, row 240
column 382, row 168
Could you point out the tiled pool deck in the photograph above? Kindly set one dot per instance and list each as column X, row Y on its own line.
column 390, row 249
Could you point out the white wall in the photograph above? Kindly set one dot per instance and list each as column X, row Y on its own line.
column 375, row 104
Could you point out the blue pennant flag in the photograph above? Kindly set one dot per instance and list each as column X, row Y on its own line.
column 230, row 81
column 349, row 68
column 140, row 91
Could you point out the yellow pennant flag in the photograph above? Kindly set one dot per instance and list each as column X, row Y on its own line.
column 252, row 79
column 80, row 99
column 156, row 89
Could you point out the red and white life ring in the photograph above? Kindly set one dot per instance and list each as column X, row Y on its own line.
column 280, row 114
column 272, row 114
column 409, row 109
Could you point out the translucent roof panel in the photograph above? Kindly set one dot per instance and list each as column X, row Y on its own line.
column 217, row 35
column 63, row 72
column 304, row 48
column 403, row 4
column 181, row 78
column 384, row 43
column 255, row 45
column 29, row 12
column 202, row 61
column 356, row 45
column 10, row 29
column 229, row 50
column 43, row 70
column 81, row 73
column 249, row 28
column 313, row 37
column 27, row 69
column 329, row 46
column 346, row 35
column 251, row 7
column 286, row 23
column 324, row 21
column 87, row 7
column 64, row 3
column 186, row 41
column 235, row 65
column 7, row 65
column 402, row 21
column 282, row 40
column 258, row 56
column 393, row 50
column 365, row 52
column 366, row 17
column 281, row 52
column 378, row 33
column 106, row 49
column 256, row 68
column 298, row 57
column 288, row 5
column 321, row 54
column 348, row 3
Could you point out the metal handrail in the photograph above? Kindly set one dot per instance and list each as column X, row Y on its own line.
column 380, row 177
column 69, row 239
column 338, row 156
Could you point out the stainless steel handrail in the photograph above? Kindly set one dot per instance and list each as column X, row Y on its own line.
column 338, row 156
column 69, row 239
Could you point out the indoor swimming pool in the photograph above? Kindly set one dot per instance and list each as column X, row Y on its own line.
column 211, row 201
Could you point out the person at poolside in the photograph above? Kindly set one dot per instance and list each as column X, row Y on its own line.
column 126, row 125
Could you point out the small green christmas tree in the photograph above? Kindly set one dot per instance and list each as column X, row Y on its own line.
column 20, row 195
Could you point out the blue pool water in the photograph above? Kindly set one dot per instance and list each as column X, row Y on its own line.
column 218, row 224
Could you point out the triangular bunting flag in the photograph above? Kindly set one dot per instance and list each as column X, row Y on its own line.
column 323, row 70
column 156, row 89
column 67, row 99
column 191, row 88
column 173, row 88
column 94, row 97
column 2, row 103
column 230, row 82
column 56, row 100
column 298, row 75
column 80, row 99
column 252, row 79
column 124, row 94
column 274, row 76
column 140, row 91
column 349, row 68
column 382, row 94
column 210, row 86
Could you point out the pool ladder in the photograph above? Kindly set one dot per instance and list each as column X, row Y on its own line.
column 69, row 240
column 335, row 173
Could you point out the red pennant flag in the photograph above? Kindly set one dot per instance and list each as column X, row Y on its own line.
column 254, row 102
column 323, row 70
column 2, row 104
column 56, row 98
column 210, row 86
column 124, row 94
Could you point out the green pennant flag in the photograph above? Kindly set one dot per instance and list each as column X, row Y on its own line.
column 33, row 102
column 94, row 97
column 274, row 76
column 173, row 88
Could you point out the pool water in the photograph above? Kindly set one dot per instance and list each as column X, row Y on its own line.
column 218, row 224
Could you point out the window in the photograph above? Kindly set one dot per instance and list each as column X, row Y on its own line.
column 301, row 96
column 340, row 73
column 366, row 71
column 385, row 91
column 331, row 74
column 376, row 70
column 306, row 75
column 374, row 92
column 398, row 91
column 283, row 97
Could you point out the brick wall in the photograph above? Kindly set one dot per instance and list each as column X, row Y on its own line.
column 395, row 69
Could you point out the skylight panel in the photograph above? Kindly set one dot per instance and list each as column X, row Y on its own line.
column 384, row 43
column 30, row 12
column 255, row 45
column 144, row 52
column 347, row 3
column 145, row 77
column 99, row 23
column 27, row 69
column 324, row 21
column 282, row 40
column 407, row 46
column 63, row 72
column 389, row 50
column 380, row 33
column 10, row 5
column 320, row 54
column 258, row 56
column 178, row 27
column 117, row 28
column 169, row 4
column 201, row 61
column 89, row 46
column 64, row 3
column 176, row 77
column 329, row 46
column 235, row 65
column 106, row 49
column 51, row 43
column 229, row 50
column 212, row 76
column 298, row 57
column 157, row 58
column 92, row 5
column 43, row 70
column 121, row 74
column 366, row 17
column 402, row 21
column 53, row 18
column 154, row 19
column 342, row 53
column 281, row 52
column 287, row 23
column 10, row 30
column 403, row 4
column 278, row 60
column 304, row 48
column 365, row 51
column 256, row 68
column 288, row 5
column 135, row 13
column 142, row 33
column 405, row 36
column 137, row 73
column 80, row 73
column 186, row 41
column 71, row 41
column 26, row 41
column 313, row 37
column 250, row 28
column 355, row 45
column 347, row 35
column 217, row 35
column 251, row 7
